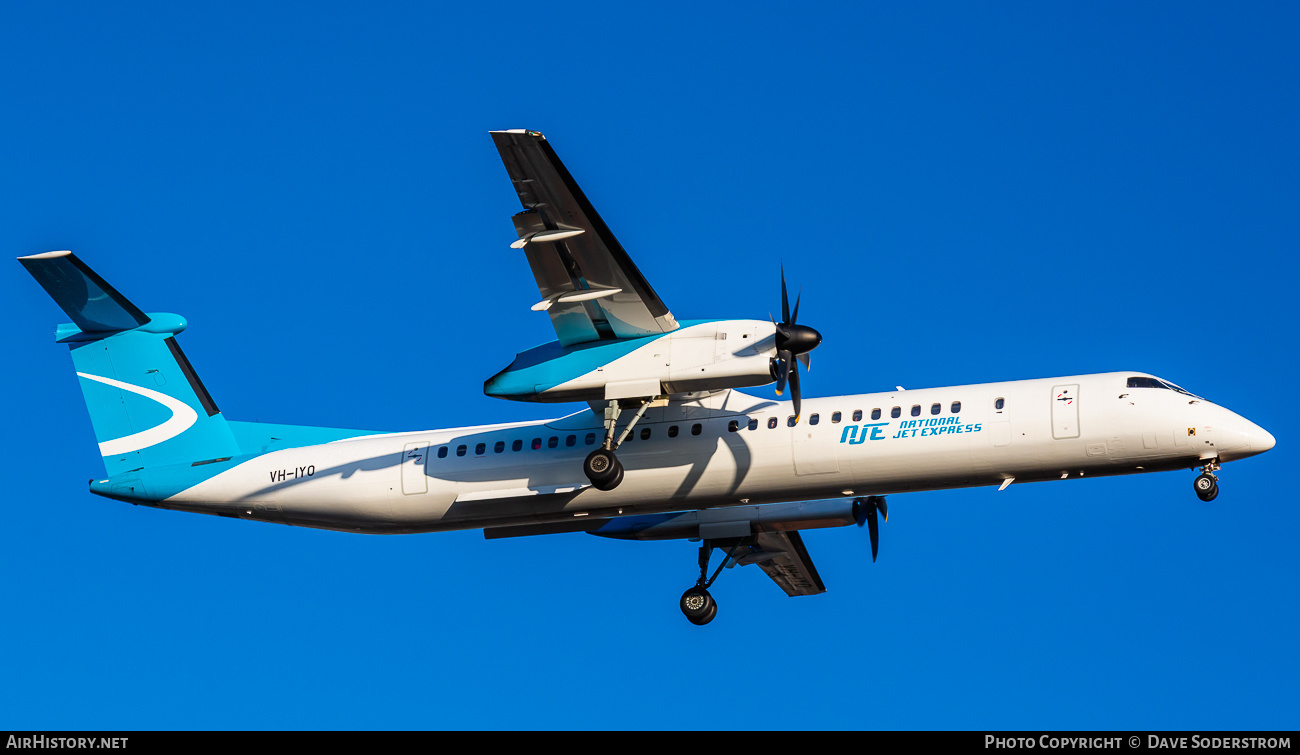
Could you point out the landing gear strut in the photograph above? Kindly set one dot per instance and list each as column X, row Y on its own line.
column 1206, row 484
column 602, row 467
column 698, row 605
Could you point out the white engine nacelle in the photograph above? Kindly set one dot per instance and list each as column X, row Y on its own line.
column 700, row 356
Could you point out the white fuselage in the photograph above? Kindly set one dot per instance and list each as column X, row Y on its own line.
column 1047, row 429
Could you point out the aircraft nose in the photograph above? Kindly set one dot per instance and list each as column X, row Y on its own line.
column 1261, row 440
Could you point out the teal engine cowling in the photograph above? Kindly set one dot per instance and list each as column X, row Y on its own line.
column 699, row 356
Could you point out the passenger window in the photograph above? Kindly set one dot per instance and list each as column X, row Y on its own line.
column 518, row 445
column 998, row 404
column 460, row 450
column 733, row 426
column 814, row 419
column 771, row 423
column 791, row 420
column 835, row 418
column 480, row 449
column 537, row 443
column 753, row 424
column 857, row 415
column 645, row 433
column 935, row 408
column 672, row 431
column 499, row 447
column 697, row 428
column 896, row 412
column 442, row 452
column 590, row 439
column 552, row 442
column 875, row 414
column 571, row 441
column 956, row 407
column 916, row 410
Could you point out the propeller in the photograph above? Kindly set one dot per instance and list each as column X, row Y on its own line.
column 864, row 511
column 793, row 342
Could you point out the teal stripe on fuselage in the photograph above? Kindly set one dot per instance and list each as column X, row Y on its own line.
column 254, row 439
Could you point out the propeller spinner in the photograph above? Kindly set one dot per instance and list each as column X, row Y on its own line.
column 793, row 341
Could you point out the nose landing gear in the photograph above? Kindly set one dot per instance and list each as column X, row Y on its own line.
column 1206, row 484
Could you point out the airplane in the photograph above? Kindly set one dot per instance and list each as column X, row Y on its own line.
column 668, row 446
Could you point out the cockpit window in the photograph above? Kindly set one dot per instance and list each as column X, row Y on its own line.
column 1173, row 387
column 1145, row 382
column 1150, row 382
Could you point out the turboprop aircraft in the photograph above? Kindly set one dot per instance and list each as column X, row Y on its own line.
column 669, row 446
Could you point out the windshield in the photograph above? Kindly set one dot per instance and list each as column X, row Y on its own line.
column 1140, row 381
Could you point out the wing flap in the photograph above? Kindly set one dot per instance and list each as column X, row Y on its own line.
column 782, row 556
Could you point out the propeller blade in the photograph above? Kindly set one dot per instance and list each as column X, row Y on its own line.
column 793, row 341
column 782, row 371
column 864, row 512
column 874, row 526
column 785, row 299
column 794, row 390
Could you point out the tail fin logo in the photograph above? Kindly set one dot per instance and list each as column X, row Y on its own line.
column 180, row 421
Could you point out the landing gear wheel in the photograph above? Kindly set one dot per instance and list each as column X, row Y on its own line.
column 698, row 605
column 601, row 466
column 1207, row 487
column 611, row 484
column 707, row 617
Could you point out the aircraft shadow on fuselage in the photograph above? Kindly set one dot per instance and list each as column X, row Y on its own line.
column 564, row 467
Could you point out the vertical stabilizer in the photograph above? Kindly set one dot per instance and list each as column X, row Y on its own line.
column 147, row 405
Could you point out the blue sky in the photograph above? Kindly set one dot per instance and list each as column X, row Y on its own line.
column 965, row 192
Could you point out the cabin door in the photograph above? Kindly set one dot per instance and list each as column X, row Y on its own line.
column 414, row 457
column 1065, row 411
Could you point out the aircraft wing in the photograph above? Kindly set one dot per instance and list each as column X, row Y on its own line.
column 782, row 556
column 589, row 285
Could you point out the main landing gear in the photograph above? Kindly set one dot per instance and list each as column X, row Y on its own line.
column 698, row 605
column 1207, row 484
column 601, row 466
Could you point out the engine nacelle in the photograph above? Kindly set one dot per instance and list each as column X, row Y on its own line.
column 698, row 356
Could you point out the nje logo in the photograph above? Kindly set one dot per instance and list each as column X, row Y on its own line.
column 910, row 428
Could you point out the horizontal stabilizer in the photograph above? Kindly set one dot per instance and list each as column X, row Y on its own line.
column 89, row 301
